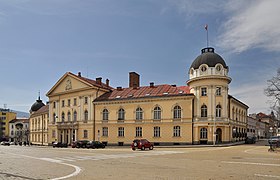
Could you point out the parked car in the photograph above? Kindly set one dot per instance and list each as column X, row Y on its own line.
column 95, row 144
column 274, row 141
column 141, row 144
column 250, row 140
column 59, row 144
column 80, row 144
column 5, row 143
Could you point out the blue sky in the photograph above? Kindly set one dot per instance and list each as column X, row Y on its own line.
column 159, row 39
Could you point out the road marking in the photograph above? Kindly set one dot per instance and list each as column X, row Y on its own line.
column 249, row 163
column 75, row 173
column 270, row 176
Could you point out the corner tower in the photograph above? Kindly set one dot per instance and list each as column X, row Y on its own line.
column 208, row 81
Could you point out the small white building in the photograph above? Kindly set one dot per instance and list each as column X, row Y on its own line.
column 19, row 131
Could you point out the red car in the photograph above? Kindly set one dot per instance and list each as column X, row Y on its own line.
column 141, row 144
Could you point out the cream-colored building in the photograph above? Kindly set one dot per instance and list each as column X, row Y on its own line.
column 200, row 113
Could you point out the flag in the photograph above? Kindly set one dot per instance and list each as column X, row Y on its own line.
column 206, row 27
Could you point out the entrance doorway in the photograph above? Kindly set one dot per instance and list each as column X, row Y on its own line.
column 219, row 135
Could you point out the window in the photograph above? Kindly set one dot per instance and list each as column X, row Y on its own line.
column 105, row 131
column 156, row 131
column 138, row 132
column 218, row 110
column 53, row 133
column 139, row 114
column 121, row 132
column 121, row 114
column 86, row 115
column 86, row 100
column 157, row 113
column 203, row 133
column 203, row 68
column 218, row 91
column 69, row 102
column 75, row 116
column 218, row 67
column 54, row 117
column 12, row 133
column 75, row 101
column 62, row 103
column 204, row 91
column 105, row 115
column 69, row 116
column 54, row 105
column 85, row 134
column 62, row 117
column 177, row 131
column 204, row 111
column 177, row 112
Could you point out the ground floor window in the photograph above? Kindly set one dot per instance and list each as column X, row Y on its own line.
column 203, row 133
column 53, row 133
column 138, row 132
column 85, row 134
column 121, row 132
column 105, row 131
column 156, row 131
column 177, row 131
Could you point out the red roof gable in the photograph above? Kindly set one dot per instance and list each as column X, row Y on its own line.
column 144, row 92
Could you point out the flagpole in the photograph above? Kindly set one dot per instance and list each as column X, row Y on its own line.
column 206, row 28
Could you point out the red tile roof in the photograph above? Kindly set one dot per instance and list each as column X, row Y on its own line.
column 145, row 92
column 92, row 82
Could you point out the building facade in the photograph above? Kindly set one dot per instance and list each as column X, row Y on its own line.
column 6, row 115
column 202, row 112
column 19, row 131
column 38, row 123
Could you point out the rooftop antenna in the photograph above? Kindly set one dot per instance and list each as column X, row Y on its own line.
column 206, row 28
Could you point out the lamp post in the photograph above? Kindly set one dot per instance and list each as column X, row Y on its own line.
column 234, row 132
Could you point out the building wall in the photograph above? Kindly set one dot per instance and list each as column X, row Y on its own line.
column 5, row 117
column 39, row 128
column 148, row 123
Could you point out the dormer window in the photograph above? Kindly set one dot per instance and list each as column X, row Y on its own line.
column 218, row 67
column 203, row 68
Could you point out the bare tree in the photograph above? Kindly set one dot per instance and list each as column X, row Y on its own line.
column 273, row 91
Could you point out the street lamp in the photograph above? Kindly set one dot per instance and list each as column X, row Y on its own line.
column 234, row 133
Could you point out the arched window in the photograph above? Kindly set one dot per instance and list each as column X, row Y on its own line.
column 203, row 133
column 218, row 110
column 177, row 112
column 75, row 116
column 176, row 131
column 69, row 116
column 157, row 113
column 86, row 115
column 204, row 111
column 105, row 115
column 62, row 117
column 139, row 113
column 121, row 114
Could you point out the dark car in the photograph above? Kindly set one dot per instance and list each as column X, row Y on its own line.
column 5, row 143
column 95, row 144
column 59, row 144
column 250, row 140
column 274, row 141
column 141, row 144
column 80, row 144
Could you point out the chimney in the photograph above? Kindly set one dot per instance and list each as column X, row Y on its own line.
column 79, row 74
column 134, row 80
column 107, row 82
column 119, row 88
column 98, row 80
column 152, row 84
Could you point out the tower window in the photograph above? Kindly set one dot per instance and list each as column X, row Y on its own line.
column 218, row 91
column 204, row 91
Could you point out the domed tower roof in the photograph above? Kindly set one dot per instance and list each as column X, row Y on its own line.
column 209, row 57
column 37, row 105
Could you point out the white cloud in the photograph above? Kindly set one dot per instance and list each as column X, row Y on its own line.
column 251, row 25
